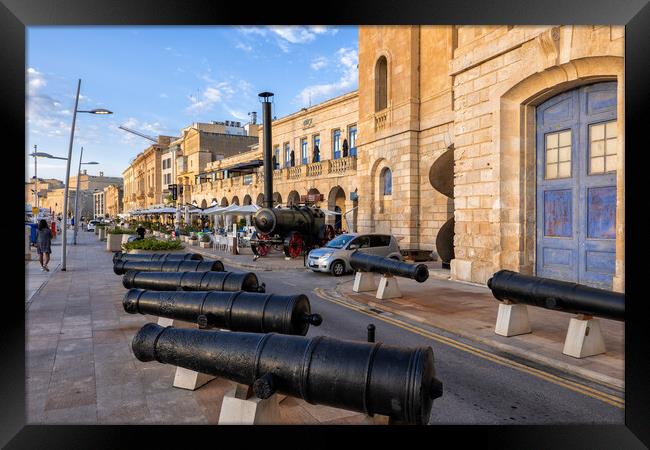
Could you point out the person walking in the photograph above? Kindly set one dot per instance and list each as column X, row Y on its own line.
column 43, row 244
column 140, row 231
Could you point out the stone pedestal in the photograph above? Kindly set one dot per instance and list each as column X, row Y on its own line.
column 512, row 320
column 240, row 407
column 363, row 282
column 583, row 337
column 388, row 288
column 114, row 242
column 186, row 378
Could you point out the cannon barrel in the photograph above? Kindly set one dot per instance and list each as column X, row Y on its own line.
column 558, row 295
column 371, row 378
column 192, row 281
column 155, row 256
column 237, row 311
column 364, row 262
column 302, row 219
column 190, row 265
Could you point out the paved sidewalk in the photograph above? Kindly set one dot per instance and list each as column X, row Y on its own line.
column 35, row 278
column 81, row 369
column 275, row 260
column 470, row 311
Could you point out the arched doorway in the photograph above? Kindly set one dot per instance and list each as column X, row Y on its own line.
column 576, row 151
column 247, row 199
column 293, row 198
column 235, row 200
column 224, row 202
column 204, row 204
column 336, row 202
column 316, row 193
column 260, row 200
column 277, row 199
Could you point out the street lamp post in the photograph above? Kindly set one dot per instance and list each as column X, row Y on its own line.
column 35, row 185
column 67, row 172
column 76, row 196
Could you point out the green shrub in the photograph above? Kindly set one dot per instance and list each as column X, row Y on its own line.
column 118, row 230
column 205, row 238
column 153, row 244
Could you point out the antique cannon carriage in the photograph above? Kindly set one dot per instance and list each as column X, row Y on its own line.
column 297, row 229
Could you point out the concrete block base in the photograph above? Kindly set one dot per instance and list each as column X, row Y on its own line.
column 363, row 282
column 388, row 288
column 189, row 379
column 239, row 407
column 512, row 320
column 583, row 338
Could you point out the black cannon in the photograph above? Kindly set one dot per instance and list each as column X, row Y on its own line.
column 372, row 378
column 364, row 262
column 237, row 311
column 297, row 229
column 120, row 267
column 558, row 295
column 155, row 256
column 192, row 281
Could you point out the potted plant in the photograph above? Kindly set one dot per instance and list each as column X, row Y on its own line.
column 101, row 233
column 115, row 238
column 193, row 239
column 205, row 241
column 152, row 245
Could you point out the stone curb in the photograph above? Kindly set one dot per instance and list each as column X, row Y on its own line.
column 591, row 375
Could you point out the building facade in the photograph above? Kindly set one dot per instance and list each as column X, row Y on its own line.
column 99, row 211
column 503, row 144
column 113, row 199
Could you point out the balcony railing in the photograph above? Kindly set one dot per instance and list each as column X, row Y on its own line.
column 294, row 172
column 343, row 165
column 380, row 120
column 315, row 169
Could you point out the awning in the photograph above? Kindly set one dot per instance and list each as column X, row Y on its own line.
column 245, row 166
column 241, row 210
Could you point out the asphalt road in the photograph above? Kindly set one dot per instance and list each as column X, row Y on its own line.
column 477, row 389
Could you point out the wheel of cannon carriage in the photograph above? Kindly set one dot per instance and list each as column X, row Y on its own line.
column 293, row 245
column 261, row 249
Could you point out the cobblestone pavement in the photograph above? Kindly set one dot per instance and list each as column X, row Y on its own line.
column 81, row 370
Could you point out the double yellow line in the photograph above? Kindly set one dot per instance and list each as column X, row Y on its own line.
column 572, row 385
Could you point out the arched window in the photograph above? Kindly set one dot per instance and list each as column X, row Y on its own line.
column 387, row 181
column 381, row 84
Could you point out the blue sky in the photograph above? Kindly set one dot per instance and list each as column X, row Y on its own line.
column 159, row 79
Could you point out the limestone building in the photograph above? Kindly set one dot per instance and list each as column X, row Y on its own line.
column 99, row 210
column 113, row 198
column 524, row 123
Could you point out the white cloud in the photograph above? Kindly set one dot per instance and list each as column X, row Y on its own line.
column 347, row 59
column 318, row 63
column 163, row 95
column 210, row 96
column 244, row 47
column 287, row 34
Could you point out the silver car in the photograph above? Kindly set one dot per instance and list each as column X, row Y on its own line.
column 334, row 257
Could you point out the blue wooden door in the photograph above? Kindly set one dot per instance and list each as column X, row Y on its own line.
column 576, row 186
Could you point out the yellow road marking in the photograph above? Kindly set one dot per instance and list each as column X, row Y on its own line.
column 572, row 385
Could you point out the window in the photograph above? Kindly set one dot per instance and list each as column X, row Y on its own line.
column 352, row 140
column 387, row 181
column 303, row 150
column 276, row 152
column 381, row 84
column 602, row 147
column 248, row 179
column 360, row 242
column 558, row 155
column 336, row 144
column 287, row 155
column 316, row 148
column 379, row 240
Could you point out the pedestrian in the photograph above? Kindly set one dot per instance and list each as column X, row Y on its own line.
column 43, row 244
column 140, row 231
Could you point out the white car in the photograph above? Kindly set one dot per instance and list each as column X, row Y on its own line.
column 91, row 225
column 334, row 257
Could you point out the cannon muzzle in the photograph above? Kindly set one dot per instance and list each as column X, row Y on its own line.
column 371, row 263
column 507, row 285
column 192, row 281
column 237, row 311
column 372, row 378
column 122, row 266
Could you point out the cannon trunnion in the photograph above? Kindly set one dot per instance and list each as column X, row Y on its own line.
column 364, row 262
column 120, row 267
column 192, row 281
column 237, row 311
column 514, row 287
column 372, row 378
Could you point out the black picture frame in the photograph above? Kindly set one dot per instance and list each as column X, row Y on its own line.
column 16, row 15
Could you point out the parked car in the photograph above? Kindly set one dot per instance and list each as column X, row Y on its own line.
column 334, row 257
column 91, row 225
